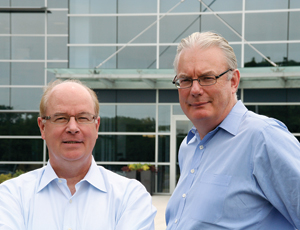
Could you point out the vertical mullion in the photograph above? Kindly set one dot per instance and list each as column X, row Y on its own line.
column 157, row 33
column 243, row 36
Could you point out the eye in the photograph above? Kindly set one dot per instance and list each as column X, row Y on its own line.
column 84, row 118
column 208, row 78
column 184, row 79
column 60, row 118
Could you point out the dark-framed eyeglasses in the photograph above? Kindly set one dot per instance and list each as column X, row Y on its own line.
column 64, row 118
column 205, row 80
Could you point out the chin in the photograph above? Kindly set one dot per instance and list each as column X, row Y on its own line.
column 74, row 156
column 199, row 115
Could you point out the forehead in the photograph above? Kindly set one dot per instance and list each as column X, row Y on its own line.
column 69, row 97
column 201, row 59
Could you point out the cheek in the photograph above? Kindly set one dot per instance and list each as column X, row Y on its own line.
column 90, row 133
column 183, row 104
column 51, row 134
column 96, row 134
column 183, row 95
column 93, row 136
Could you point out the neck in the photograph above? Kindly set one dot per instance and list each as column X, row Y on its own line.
column 73, row 172
column 203, row 129
column 207, row 125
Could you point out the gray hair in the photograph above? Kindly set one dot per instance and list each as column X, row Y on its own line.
column 206, row 40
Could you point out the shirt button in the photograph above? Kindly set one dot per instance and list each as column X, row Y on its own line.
column 201, row 147
column 59, row 181
column 184, row 195
column 193, row 170
column 69, row 228
column 176, row 221
column 70, row 201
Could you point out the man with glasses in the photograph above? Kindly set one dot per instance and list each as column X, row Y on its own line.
column 72, row 192
column 238, row 169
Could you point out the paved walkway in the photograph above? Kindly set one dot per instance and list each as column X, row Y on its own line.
column 160, row 202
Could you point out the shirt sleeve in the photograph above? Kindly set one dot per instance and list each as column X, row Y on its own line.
column 277, row 170
column 11, row 217
column 137, row 212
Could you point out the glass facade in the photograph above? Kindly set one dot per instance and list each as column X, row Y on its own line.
column 136, row 124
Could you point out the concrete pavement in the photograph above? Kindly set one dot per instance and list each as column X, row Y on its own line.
column 160, row 202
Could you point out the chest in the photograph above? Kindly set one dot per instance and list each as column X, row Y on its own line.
column 88, row 209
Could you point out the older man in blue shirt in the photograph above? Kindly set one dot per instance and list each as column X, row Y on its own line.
column 72, row 192
column 239, row 170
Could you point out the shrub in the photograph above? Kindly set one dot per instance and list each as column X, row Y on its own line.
column 4, row 177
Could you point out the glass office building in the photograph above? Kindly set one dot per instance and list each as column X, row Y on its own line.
column 124, row 50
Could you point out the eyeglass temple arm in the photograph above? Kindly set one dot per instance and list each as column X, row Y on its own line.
column 174, row 79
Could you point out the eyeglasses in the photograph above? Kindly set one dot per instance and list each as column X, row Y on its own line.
column 63, row 118
column 205, row 80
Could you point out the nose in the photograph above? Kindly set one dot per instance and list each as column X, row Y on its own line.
column 196, row 88
column 72, row 126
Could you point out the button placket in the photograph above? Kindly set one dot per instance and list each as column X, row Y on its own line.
column 70, row 213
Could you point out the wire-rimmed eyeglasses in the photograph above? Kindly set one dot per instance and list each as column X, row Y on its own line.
column 64, row 118
column 205, row 80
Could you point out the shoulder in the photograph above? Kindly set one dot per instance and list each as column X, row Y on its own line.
column 266, row 134
column 119, row 183
column 262, row 124
column 27, row 180
column 126, row 193
column 269, row 137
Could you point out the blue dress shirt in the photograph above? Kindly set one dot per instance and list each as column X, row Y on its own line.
column 245, row 174
column 39, row 200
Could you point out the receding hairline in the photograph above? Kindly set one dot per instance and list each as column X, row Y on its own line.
column 53, row 86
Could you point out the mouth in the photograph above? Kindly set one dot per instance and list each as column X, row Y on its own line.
column 198, row 104
column 72, row 142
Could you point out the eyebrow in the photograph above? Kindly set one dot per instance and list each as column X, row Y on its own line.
column 57, row 114
column 210, row 72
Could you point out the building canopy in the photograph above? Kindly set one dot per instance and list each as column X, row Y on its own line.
column 252, row 77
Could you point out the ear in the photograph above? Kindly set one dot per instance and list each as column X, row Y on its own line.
column 235, row 80
column 41, row 125
column 97, row 122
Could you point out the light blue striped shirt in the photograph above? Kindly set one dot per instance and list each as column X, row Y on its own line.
column 245, row 174
column 39, row 200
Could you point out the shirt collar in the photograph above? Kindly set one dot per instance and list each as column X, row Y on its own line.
column 231, row 123
column 47, row 176
column 191, row 134
column 93, row 176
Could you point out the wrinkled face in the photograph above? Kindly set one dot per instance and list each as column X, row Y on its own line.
column 71, row 141
column 206, row 105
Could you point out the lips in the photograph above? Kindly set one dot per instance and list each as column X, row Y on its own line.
column 198, row 103
column 72, row 142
